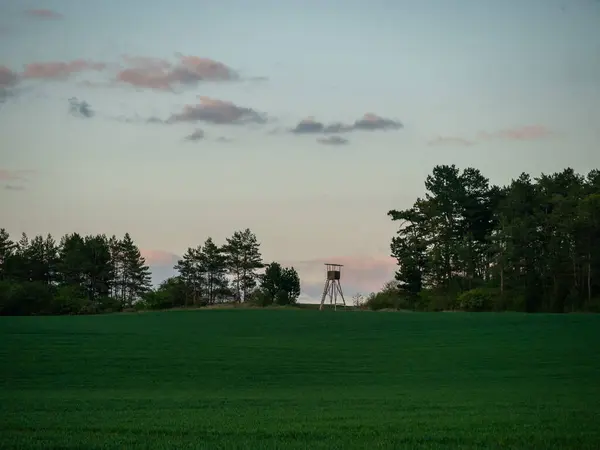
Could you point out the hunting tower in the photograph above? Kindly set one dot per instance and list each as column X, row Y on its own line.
column 333, row 286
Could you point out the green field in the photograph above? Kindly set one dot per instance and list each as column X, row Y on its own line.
column 300, row 379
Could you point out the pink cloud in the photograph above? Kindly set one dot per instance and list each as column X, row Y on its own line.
column 145, row 77
column 520, row 133
column 59, row 69
column 14, row 175
column 525, row 133
column 43, row 14
column 158, row 257
column 157, row 73
column 7, row 77
column 216, row 111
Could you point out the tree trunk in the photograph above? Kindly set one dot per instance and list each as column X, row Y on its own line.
column 589, row 278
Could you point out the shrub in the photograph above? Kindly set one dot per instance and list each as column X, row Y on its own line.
column 383, row 300
column 475, row 300
column 260, row 297
column 70, row 300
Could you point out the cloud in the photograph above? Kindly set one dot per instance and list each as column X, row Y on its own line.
column 310, row 125
column 520, row 133
column 217, row 112
column 59, row 69
column 159, row 256
column 374, row 122
column 11, row 177
column 160, row 74
column 370, row 122
column 361, row 274
column 80, row 108
column 524, row 133
column 14, row 175
column 8, row 78
column 12, row 187
column 451, row 140
column 161, row 264
column 333, row 140
column 197, row 135
column 43, row 14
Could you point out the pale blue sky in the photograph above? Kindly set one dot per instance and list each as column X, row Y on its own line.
column 452, row 69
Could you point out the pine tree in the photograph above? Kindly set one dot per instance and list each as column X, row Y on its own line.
column 136, row 274
column 213, row 262
column 116, row 263
column 243, row 257
column 72, row 260
column 99, row 268
column 7, row 248
column 191, row 270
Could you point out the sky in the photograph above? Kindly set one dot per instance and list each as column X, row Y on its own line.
column 303, row 121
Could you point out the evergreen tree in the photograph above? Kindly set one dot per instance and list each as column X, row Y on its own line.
column 7, row 248
column 243, row 258
column 280, row 285
column 136, row 274
column 191, row 270
column 213, row 262
column 533, row 240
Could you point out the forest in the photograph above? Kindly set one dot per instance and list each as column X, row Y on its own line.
column 98, row 274
column 533, row 245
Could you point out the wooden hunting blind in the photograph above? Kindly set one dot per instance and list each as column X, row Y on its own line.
column 333, row 286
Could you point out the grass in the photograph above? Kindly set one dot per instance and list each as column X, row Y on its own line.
column 300, row 379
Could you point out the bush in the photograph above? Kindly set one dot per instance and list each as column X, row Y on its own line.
column 435, row 301
column 260, row 297
column 475, row 300
column 160, row 299
column 27, row 298
column 70, row 300
column 384, row 300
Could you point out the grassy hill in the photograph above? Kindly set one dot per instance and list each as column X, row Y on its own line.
column 300, row 379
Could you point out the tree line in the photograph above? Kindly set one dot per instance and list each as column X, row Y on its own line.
column 533, row 245
column 97, row 274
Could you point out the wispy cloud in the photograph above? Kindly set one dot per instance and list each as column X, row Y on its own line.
column 369, row 122
column 218, row 112
column 79, row 108
column 43, row 14
column 196, row 135
column 59, row 69
column 524, row 133
column 8, row 78
column 15, row 180
column 333, row 140
column 12, row 175
column 12, row 187
column 451, row 140
column 519, row 133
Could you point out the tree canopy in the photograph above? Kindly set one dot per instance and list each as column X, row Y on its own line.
column 533, row 245
column 92, row 274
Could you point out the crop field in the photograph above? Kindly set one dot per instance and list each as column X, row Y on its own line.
column 300, row 379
